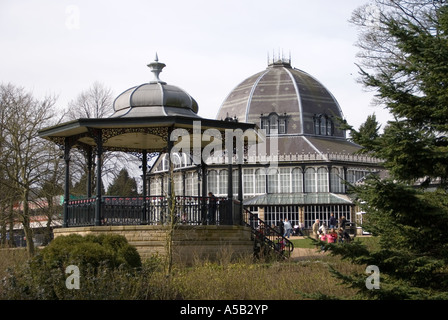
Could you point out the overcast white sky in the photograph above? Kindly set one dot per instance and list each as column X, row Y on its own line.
column 209, row 46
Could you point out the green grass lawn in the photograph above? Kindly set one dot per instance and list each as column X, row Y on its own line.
column 303, row 243
column 220, row 280
column 308, row 244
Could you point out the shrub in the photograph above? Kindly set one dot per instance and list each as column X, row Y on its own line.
column 103, row 261
column 110, row 249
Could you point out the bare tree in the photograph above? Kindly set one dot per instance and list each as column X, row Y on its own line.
column 96, row 102
column 50, row 188
column 6, row 194
column 378, row 48
column 25, row 156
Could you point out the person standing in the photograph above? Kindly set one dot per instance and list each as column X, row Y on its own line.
column 287, row 227
column 299, row 229
column 211, row 208
column 323, row 238
column 316, row 226
column 323, row 228
column 333, row 223
column 342, row 222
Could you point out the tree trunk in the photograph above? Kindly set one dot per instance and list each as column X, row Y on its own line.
column 27, row 226
column 11, row 242
column 47, row 231
column 29, row 238
column 3, row 231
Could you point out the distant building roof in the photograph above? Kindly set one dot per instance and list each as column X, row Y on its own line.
column 300, row 144
column 284, row 96
column 282, row 89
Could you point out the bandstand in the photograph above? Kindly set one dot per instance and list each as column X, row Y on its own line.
column 151, row 119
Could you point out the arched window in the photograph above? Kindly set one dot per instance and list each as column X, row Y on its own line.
column 189, row 183
column 273, row 181
column 274, row 123
column 165, row 182
column 285, row 180
column 248, row 181
column 212, row 180
column 222, row 182
column 156, row 186
column 282, row 126
column 356, row 175
column 235, row 181
column 265, row 125
column 178, row 184
column 336, row 180
column 316, row 120
column 297, row 180
column 323, row 125
column 330, row 129
column 185, row 160
column 322, row 180
column 165, row 163
column 310, row 180
column 176, row 159
column 260, row 181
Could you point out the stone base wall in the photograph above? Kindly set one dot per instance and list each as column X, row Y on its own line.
column 189, row 242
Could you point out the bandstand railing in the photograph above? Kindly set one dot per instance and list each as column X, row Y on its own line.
column 81, row 212
column 153, row 210
column 266, row 238
column 189, row 210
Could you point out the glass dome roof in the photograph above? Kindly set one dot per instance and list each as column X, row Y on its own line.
column 284, row 91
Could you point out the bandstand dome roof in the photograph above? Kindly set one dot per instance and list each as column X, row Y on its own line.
column 144, row 119
column 155, row 98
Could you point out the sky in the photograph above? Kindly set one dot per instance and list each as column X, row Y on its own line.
column 209, row 46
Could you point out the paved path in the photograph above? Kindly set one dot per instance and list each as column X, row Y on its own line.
column 304, row 253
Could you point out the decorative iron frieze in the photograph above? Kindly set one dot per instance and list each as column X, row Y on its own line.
column 114, row 132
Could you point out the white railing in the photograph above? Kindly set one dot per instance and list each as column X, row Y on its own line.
column 299, row 158
column 274, row 159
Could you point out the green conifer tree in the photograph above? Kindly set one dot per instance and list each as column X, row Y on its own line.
column 408, row 212
column 367, row 134
column 123, row 185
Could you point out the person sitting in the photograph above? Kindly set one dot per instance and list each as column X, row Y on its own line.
column 344, row 236
column 287, row 228
column 332, row 236
column 323, row 228
column 340, row 235
column 323, row 238
column 299, row 229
